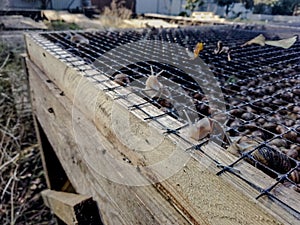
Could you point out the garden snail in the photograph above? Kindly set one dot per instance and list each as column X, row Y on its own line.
column 79, row 40
column 154, row 88
column 199, row 129
column 122, row 79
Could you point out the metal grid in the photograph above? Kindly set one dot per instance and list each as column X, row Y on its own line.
column 260, row 86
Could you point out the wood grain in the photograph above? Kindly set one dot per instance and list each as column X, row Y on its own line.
column 118, row 203
column 72, row 208
column 192, row 192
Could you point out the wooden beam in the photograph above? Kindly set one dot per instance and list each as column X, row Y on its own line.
column 118, row 203
column 72, row 208
column 194, row 191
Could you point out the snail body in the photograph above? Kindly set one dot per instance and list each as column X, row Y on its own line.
column 154, row 88
column 199, row 129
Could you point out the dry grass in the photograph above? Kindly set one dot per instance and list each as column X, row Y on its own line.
column 113, row 16
column 21, row 172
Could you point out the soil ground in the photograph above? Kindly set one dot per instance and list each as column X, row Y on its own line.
column 21, row 173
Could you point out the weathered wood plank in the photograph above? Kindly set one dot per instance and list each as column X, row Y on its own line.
column 194, row 190
column 21, row 22
column 186, row 19
column 119, row 204
column 80, row 19
column 157, row 23
column 72, row 208
column 260, row 179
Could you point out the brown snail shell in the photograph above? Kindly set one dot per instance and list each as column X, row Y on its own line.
column 295, row 147
column 270, row 89
column 261, row 120
column 296, row 109
column 235, row 123
column 162, row 102
column 292, row 136
column 250, row 109
column 273, row 159
column 247, row 116
column 295, row 176
column 278, row 102
column 258, row 133
column 122, row 79
column 269, row 126
column 251, row 125
column 278, row 142
column 296, row 91
column 289, row 122
column 280, row 129
column 236, row 112
column 288, row 96
column 198, row 96
column 292, row 153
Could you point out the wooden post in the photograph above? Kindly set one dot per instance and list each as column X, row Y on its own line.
column 73, row 209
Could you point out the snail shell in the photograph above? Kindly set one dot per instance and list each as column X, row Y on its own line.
column 122, row 79
column 295, row 147
column 258, row 133
column 247, row 116
column 275, row 160
column 295, row 176
column 280, row 129
column 292, row 136
column 261, row 120
column 269, row 126
column 293, row 153
column 278, row 142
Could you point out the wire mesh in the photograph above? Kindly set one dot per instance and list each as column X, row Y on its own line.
column 260, row 89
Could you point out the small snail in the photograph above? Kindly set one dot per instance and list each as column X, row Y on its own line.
column 199, row 129
column 122, row 79
column 79, row 40
column 154, row 88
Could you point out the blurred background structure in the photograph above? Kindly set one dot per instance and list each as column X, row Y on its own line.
column 244, row 9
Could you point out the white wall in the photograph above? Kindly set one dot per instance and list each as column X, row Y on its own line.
column 277, row 18
column 63, row 4
column 34, row 4
column 169, row 7
column 37, row 4
column 144, row 6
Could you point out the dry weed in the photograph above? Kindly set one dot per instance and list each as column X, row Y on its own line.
column 114, row 15
column 21, row 172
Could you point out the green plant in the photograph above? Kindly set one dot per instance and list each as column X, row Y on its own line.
column 276, row 7
column 227, row 3
column 193, row 4
column 61, row 25
column 284, row 7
